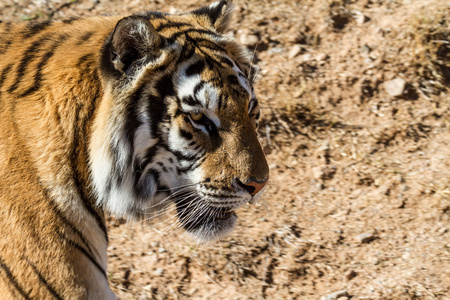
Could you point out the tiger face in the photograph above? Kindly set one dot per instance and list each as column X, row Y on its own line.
column 177, row 122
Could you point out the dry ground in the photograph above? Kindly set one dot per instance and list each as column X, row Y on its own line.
column 359, row 198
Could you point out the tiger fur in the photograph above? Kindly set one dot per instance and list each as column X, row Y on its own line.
column 124, row 113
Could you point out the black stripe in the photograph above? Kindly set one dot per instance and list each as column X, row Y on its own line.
column 5, row 47
column 132, row 122
column 165, row 86
column 34, row 28
column 13, row 279
column 44, row 60
column 181, row 156
column 222, row 103
column 195, row 165
column 198, row 87
column 201, row 31
column 3, row 75
column 28, row 56
column 195, row 68
column 84, row 64
column 226, row 61
column 44, row 282
column 232, row 79
column 172, row 25
column 84, row 59
column 5, row 44
column 85, row 37
column 84, row 252
column 205, row 43
column 189, row 100
column 157, row 110
column 186, row 134
column 70, row 20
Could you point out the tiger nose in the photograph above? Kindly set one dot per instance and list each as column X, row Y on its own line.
column 253, row 186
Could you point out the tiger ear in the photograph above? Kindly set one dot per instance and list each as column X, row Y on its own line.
column 133, row 42
column 215, row 16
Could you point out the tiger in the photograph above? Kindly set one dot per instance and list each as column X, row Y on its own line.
column 119, row 114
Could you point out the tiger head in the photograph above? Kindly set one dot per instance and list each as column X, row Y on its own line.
column 177, row 121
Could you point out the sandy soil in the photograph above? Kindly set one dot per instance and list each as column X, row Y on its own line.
column 358, row 206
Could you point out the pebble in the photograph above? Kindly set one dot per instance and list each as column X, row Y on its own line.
column 306, row 57
column 275, row 50
column 350, row 274
column 161, row 250
column 335, row 295
column 365, row 237
column 148, row 288
column 295, row 50
column 249, row 40
column 322, row 57
column 395, row 87
column 359, row 17
column 159, row 272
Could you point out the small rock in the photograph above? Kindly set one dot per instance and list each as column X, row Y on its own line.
column 335, row 295
column 159, row 272
column 365, row 237
column 306, row 57
column 395, row 87
column 350, row 274
column 161, row 250
column 295, row 50
column 322, row 57
column 148, row 288
column 154, row 244
column 249, row 40
column 359, row 17
column 174, row 10
column 273, row 166
column 275, row 50
column 365, row 49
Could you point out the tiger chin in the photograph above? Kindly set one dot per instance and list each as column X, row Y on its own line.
column 128, row 114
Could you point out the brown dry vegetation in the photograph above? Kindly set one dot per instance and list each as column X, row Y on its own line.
column 359, row 198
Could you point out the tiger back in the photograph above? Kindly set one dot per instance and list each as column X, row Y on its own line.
column 132, row 114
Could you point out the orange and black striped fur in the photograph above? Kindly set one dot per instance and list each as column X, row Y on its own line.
column 129, row 114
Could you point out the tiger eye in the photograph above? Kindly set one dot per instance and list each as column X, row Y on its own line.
column 196, row 116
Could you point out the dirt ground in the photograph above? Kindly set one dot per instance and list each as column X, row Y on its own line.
column 356, row 128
